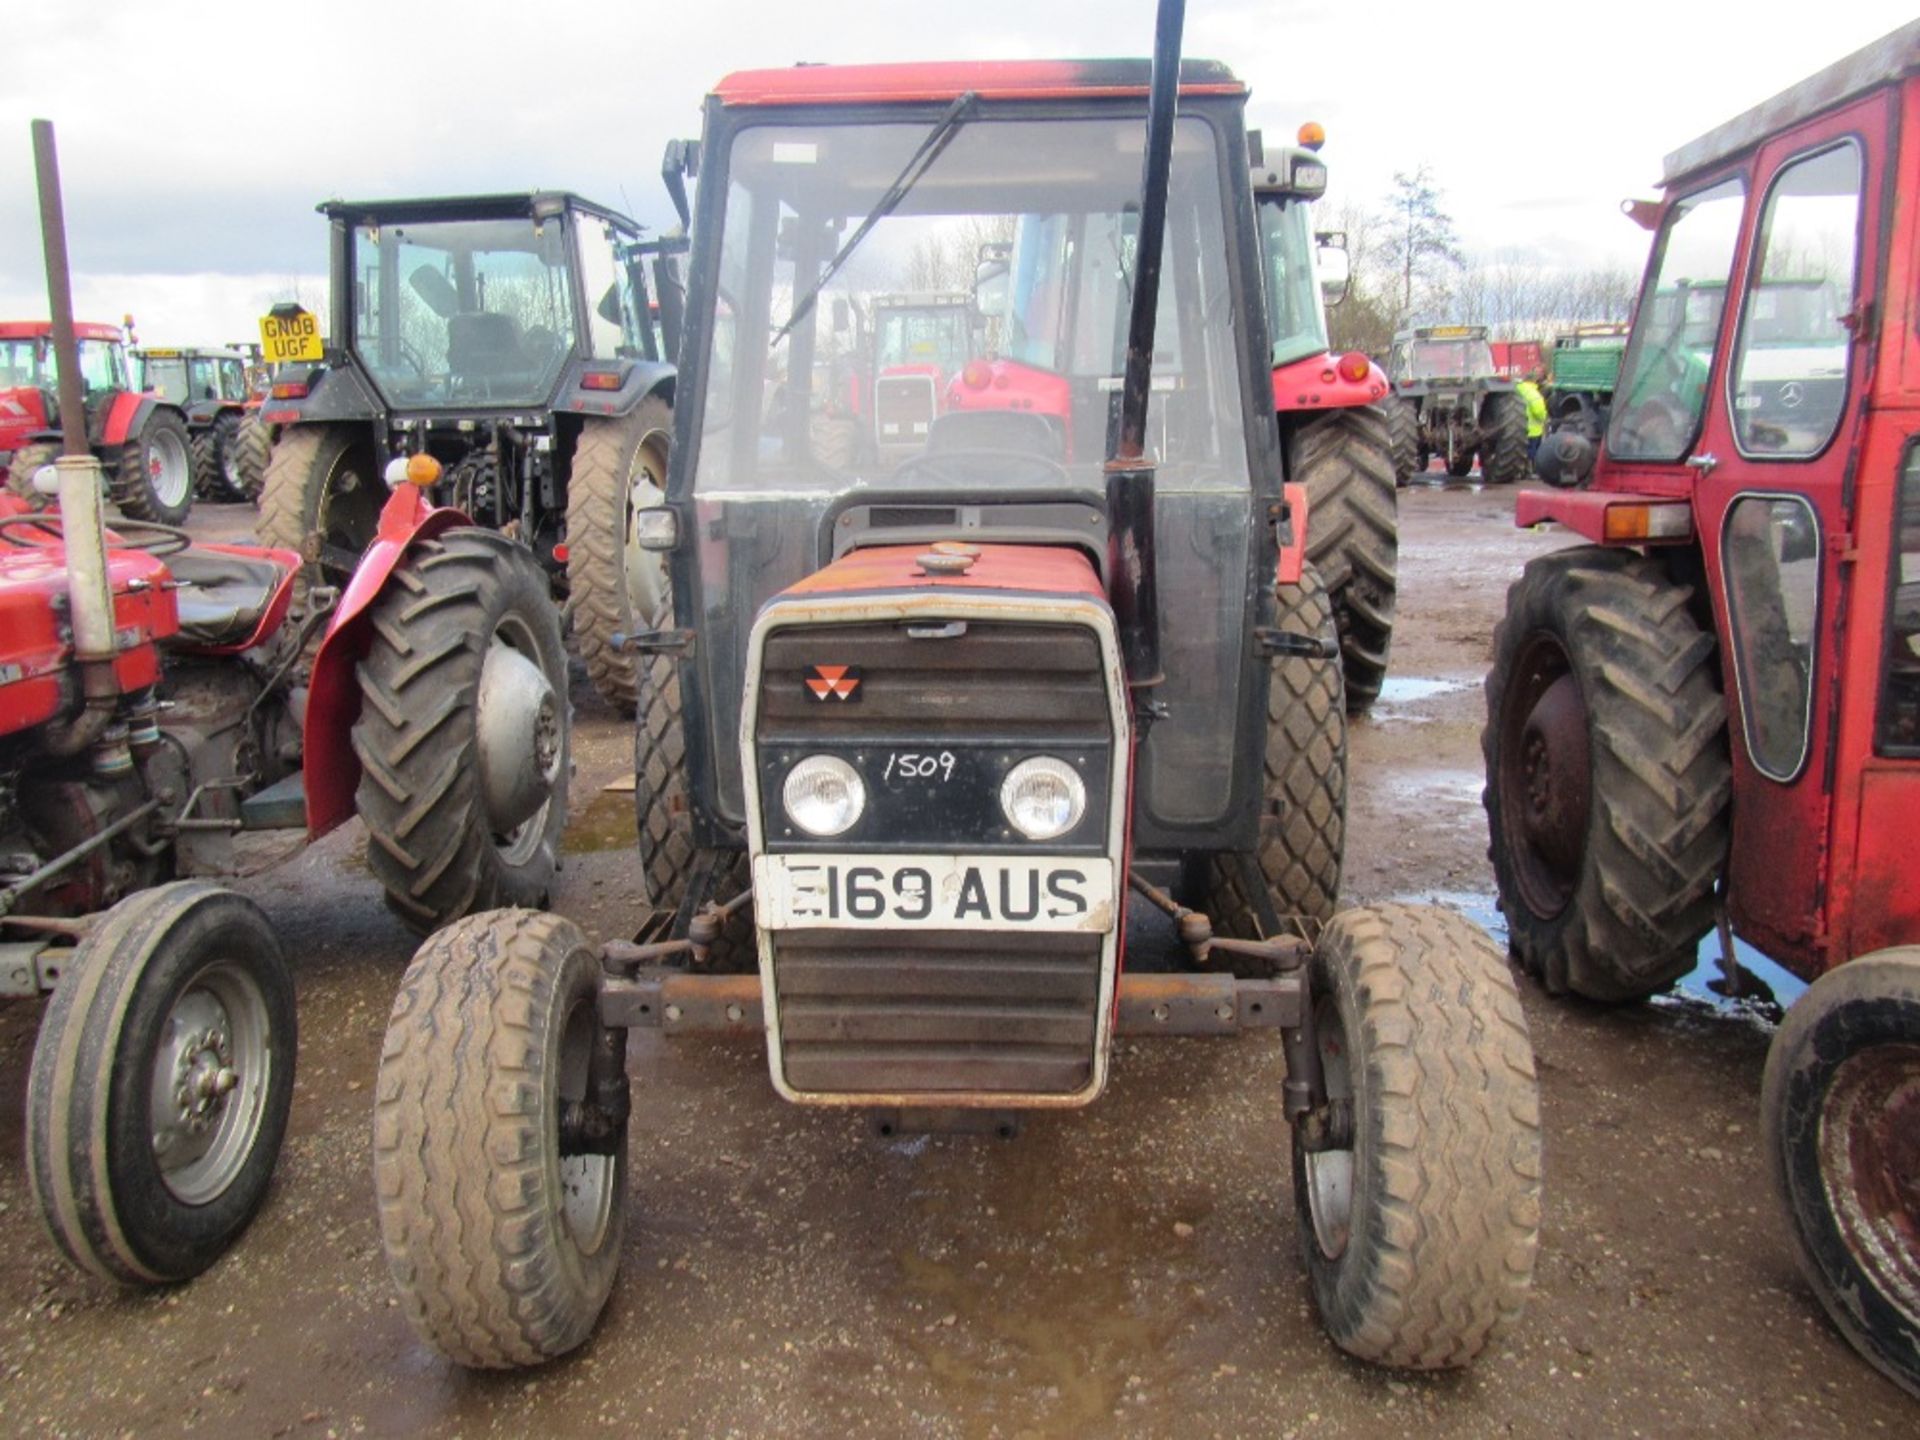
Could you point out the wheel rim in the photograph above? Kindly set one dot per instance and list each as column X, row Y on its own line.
column 644, row 572
column 346, row 519
column 1869, row 1141
column 1545, row 776
column 587, row 1182
column 169, row 473
column 520, row 739
column 1329, row 1173
column 210, row 1076
column 230, row 461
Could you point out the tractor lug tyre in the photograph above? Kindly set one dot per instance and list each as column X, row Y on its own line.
column 1503, row 442
column 216, row 472
column 183, row 986
column 663, row 815
column 252, row 451
column 503, row 1248
column 1608, row 775
column 321, row 499
column 1345, row 460
column 465, row 649
column 1419, row 1238
column 1840, row 1119
column 154, row 478
column 1303, row 817
column 619, row 465
column 28, row 460
column 1403, row 429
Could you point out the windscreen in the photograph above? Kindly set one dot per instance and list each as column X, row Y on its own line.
column 165, row 376
column 936, row 336
column 1296, row 314
column 1450, row 360
column 463, row 312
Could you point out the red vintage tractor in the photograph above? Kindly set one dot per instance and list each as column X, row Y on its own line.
column 153, row 710
column 143, row 441
column 913, row 740
column 1708, row 714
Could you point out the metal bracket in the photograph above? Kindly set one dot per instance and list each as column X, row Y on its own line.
column 30, row 967
column 657, row 642
column 1292, row 645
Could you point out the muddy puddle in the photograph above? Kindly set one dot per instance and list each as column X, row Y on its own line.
column 605, row 824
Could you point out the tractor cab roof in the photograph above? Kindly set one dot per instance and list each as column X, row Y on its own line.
column 950, row 79
column 187, row 352
column 1886, row 60
column 422, row 210
column 1442, row 332
column 43, row 329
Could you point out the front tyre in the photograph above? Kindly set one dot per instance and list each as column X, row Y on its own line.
column 617, row 589
column 160, row 1084
column 28, row 461
column 154, row 477
column 462, row 735
column 1840, row 1116
column 502, row 1241
column 1419, row 1221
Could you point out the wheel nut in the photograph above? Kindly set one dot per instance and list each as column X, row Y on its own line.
column 225, row 1081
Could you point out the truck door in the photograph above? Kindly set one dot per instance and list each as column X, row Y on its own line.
column 1775, row 458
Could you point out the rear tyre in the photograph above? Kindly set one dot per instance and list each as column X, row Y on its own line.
column 1419, row 1233
column 1403, row 428
column 26, row 462
column 1303, row 819
column 160, row 1084
column 252, row 451
column 216, row 472
column 462, row 735
column 154, row 478
column 1608, row 778
column 619, row 465
column 1840, row 1115
column 1503, row 444
column 502, row 1244
column 1345, row 459
column 321, row 498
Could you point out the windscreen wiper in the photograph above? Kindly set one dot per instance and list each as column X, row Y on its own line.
column 938, row 138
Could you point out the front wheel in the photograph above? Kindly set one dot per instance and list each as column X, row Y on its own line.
column 502, row 1236
column 1419, row 1208
column 27, row 462
column 462, row 735
column 160, row 1084
column 154, row 477
column 1840, row 1115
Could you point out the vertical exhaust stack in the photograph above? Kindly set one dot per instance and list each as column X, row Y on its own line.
column 1133, row 586
column 89, row 596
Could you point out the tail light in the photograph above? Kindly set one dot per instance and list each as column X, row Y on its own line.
column 1354, row 366
column 290, row 390
column 977, row 375
column 600, row 380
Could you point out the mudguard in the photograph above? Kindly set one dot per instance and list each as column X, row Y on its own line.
column 333, row 393
column 329, row 766
column 126, row 415
column 638, row 380
column 1315, row 383
column 1585, row 513
column 1293, row 536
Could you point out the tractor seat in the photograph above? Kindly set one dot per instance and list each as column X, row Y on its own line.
column 222, row 597
column 482, row 345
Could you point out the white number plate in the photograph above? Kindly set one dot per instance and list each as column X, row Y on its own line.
column 934, row 892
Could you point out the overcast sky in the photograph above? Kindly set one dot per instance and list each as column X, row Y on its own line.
column 193, row 152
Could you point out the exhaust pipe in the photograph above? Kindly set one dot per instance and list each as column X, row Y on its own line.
column 1133, row 584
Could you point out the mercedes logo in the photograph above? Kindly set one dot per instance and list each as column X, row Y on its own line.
column 1791, row 395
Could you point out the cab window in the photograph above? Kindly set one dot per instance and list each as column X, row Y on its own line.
column 1770, row 550
column 1899, row 729
column 1663, row 381
column 1788, row 383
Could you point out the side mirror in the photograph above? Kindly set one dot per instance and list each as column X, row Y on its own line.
column 990, row 279
column 1335, row 267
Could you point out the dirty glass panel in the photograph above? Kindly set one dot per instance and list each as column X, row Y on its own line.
column 1900, row 692
column 1771, row 554
column 1790, row 365
column 1663, row 387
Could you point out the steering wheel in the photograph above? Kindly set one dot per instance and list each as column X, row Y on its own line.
column 144, row 535
column 961, row 466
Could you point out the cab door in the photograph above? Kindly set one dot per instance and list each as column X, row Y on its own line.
column 1775, row 459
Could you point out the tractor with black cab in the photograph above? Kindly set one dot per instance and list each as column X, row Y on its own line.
column 210, row 388
column 913, row 739
column 1705, row 716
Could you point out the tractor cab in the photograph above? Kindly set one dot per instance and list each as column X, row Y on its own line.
column 1435, row 353
column 29, row 376
column 192, row 377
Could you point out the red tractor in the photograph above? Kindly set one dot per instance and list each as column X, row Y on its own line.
column 142, row 441
column 153, row 709
column 1708, row 713
column 913, row 740
column 1348, row 439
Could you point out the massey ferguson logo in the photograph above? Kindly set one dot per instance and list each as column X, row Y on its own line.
column 834, row 682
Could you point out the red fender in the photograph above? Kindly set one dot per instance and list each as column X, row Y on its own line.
column 1645, row 519
column 1293, row 545
column 1315, row 383
column 328, row 764
column 125, row 418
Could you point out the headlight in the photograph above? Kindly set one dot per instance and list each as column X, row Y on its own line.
column 1043, row 797
column 824, row 795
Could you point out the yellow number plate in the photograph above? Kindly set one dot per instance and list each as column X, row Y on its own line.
column 294, row 337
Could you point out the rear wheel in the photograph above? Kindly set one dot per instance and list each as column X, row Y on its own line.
column 1840, row 1114
column 154, row 477
column 27, row 461
column 462, row 735
column 252, row 450
column 1608, row 779
column 617, row 589
column 216, row 471
column 1503, row 439
column 160, row 1084
column 1345, row 460
column 1303, row 817
column 503, row 1238
column 322, row 498
column 1419, row 1222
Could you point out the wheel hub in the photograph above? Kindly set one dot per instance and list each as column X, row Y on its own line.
column 1554, row 765
column 209, row 1077
column 1870, row 1165
column 519, row 737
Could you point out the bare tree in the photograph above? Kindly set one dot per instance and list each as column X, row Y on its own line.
column 1421, row 237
